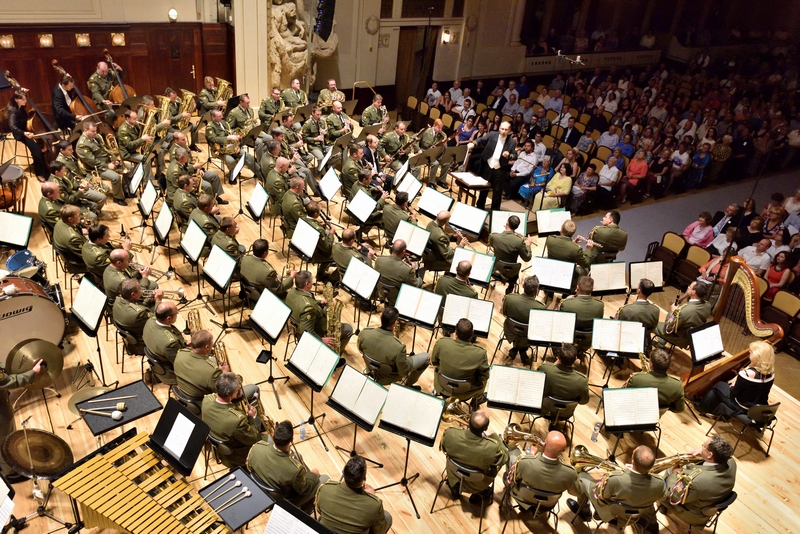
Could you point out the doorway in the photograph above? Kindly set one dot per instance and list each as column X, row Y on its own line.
column 415, row 55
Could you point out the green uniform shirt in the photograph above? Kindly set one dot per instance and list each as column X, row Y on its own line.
column 562, row 248
column 276, row 187
column 395, row 272
column 336, row 126
column 712, row 485
column 691, row 314
column 632, row 488
column 311, row 129
column 217, row 132
column 293, row 210
column 69, row 240
column 508, row 246
column 174, row 172
column 293, row 99
column 268, row 109
column 197, row 375
column 517, row 306
column 238, row 116
column 113, row 278
column 131, row 316
column 129, row 140
column 541, row 473
column 642, row 311
column 308, row 312
column 324, row 251
column 428, row 139
column 460, row 360
column 96, row 257
column 586, row 308
column 611, row 237
column 565, row 383
column 371, row 116
column 184, row 202
column 48, row 211
column 391, row 143
column 231, row 426
column 383, row 346
column 282, row 472
column 227, row 243
column 392, row 215
column 345, row 510
column 163, row 341
column 450, row 285
column 262, row 275
column 474, row 451
column 670, row 390
column 342, row 254
column 100, row 87
column 69, row 190
column 73, row 169
column 327, row 97
column 206, row 221
column 441, row 255
column 92, row 153
column 349, row 176
column 208, row 100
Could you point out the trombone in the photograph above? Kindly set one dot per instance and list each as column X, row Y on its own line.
column 169, row 295
column 136, row 247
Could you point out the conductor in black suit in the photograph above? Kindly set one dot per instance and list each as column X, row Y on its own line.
column 63, row 94
column 496, row 160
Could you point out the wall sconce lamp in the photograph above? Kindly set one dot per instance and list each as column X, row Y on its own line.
column 7, row 41
column 45, row 40
column 82, row 40
column 118, row 39
column 172, row 15
column 446, row 37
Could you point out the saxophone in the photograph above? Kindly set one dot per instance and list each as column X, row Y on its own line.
column 267, row 423
column 333, row 316
column 188, row 105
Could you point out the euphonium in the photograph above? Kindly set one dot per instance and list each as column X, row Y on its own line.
column 112, row 149
column 581, row 459
column 333, row 315
column 514, row 434
column 193, row 322
column 220, row 354
column 224, row 91
column 645, row 361
column 188, row 105
column 289, row 267
column 662, row 464
column 169, row 295
column 150, row 123
column 154, row 272
column 136, row 247
column 454, row 413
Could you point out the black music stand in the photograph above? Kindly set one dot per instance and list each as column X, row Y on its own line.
column 235, row 509
column 453, row 155
column 256, row 205
column 368, row 130
column 236, row 173
column 193, row 257
column 143, row 403
column 250, row 139
column 20, row 236
column 179, row 437
column 88, row 315
column 705, row 345
column 340, row 144
column 232, row 103
column 221, row 281
column 271, row 307
column 161, row 230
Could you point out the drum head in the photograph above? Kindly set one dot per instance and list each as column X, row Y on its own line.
column 49, row 455
column 23, row 357
column 28, row 315
column 21, row 259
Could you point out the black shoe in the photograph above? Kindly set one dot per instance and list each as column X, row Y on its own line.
column 341, row 362
column 476, row 498
column 194, row 148
column 455, row 491
column 120, row 202
column 523, row 356
column 129, row 195
column 512, row 354
column 221, row 201
column 415, row 387
column 583, row 513
column 232, row 181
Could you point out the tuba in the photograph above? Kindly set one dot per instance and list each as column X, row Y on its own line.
column 513, row 434
column 454, row 413
column 188, row 105
column 333, row 315
column 112, row 149
column 667, row 462
column 224, row 91
column 582, row 460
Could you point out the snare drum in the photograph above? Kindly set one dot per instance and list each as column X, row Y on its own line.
column 27, row 314
column 26, row 265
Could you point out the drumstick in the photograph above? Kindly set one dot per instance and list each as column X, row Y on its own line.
column 243, row 491
column 230, row 477
column 112, row 399
column 121, row 406
column 238, row 483
column 238, row 498
column 115, row 415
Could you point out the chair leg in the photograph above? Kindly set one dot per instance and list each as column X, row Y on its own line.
column 438, row 489
column 499, row 344
column 771, row 435
column 716, row 420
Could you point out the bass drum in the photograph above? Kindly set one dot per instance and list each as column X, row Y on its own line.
column 27, row 314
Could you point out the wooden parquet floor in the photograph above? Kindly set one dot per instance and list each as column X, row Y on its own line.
column 767, row 487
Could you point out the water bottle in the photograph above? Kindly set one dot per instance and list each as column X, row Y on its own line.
column 596, row 431
column 303, row 431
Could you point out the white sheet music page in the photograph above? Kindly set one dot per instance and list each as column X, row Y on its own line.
column 362, row 205
column 323, row 365
column 401, row 172
column 330, row 183
column 219, row 266
column 460, row 255
column 609, row 276
column 551, row 326
column 6, row 509
column 707, row 342
column 606, row 334
column 413, row 410
column 271, row 313
column 411, row 186
column 89, row 303
column 407, row 300
column 371, row 401
column 416, row 237
column 149, row 197
column 472, row 180
column 433, row 201
column 468, row 217
column 179, row 435
column 553, row 273
column 258, row 200
column 652, row 270
column 193, row 240
column 631, row 338
column 15, row 229
column 628, row 407
column 237, row 169
column 136, row 179
column 305, row 351
column 482, row 267
column 456, row 307
column 502, row 386
column 530, row 388
column 282, row 522
column 550, row 221
column 348, row 387
column 361, row 278
column 164, row 222
column 305, row 238
column 499, row 219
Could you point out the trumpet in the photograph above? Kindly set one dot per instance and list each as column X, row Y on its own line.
column 513, row 434
column 169, row 295
column 154, row 272
column 136, row 247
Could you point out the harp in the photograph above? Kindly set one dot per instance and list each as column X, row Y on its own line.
column 738, row 313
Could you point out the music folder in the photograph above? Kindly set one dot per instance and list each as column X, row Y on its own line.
column 410, row 185
column 515, row 389
column 619, row 337
column 652, row 270
column 305, row 239
column 457, row 307
column 330, row 183
column 554, row 275
column 482, row 264
column 470, row 179
column 432, row 202
column 360, row 278
column 705, row 343
column 179, row 437
column 548, row 222
column 148, row 199
column 88, row 306
column 609, row 278
column 551, row 327
column 412, row 414
column 193, row 241
column 286, row 518
column 498, row 219
column 468, row 218
column 163, row 224
column 358, row 397
column 340, row 144
column 313, row 361
column 136, row 178
column 269, row 316
column 630, row 409
column 416, row 237
column 401, row 172
column 257, row 202
column 237, row 169
column 219, row 268
column 15, row 230
column 418, row 306
column 362, row 206
column 325, row 159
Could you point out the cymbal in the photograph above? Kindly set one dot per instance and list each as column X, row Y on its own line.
column 82, row 395
column 49, row 454
column 25, row 354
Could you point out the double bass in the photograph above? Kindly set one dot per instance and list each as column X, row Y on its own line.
column 82, row 106
column 43, row 125
column 120, row 92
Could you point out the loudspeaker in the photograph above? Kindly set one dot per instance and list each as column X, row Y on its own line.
column 325, row 12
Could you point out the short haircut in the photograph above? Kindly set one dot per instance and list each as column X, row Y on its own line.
column 389, row 317
column 567, row 354
column 348, row 235
column 128, row 288
column 400, row 198
column 643, row 459
column 183, row 181
column 646, row 286
column 463, row 268
column 56, row 166
column 720, row 449
column 276, row 132
column 659, row 361
column 464, row 329
column 585, row 285
column 68, row 211
column 206, row 201
column 568, row 228
column 701, row 290
column 376, row 97
column 355, row 471
column 531, row 285
column 63, row 145
column 398, row 247
column 312, row 209
column 614, row 214
column 97, row 231
column 163, row 312
column 283, row 433
column 225, row 223
column 301, row 279
column 513, row 222
column 478, row 422
column 201, row 338
column 364, row 174
column 180, row 152
column 260, row 247
column 227, row 384
column 297, row 182
column 353, row 149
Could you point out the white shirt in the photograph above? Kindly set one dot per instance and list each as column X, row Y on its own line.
column 525, row 163
column 511, row 92
column 540, row 150
column 511, row 109
column 455, row 94
column 756, row 261
column 527, row 115
column 66, row 95
column 608, row 177
column 432, row 97
column 679, row 160
column 494, row 161
column 564, row 119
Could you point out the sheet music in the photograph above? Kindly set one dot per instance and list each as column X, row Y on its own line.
column 193, row 240
column 237, row 169
column 550, row 221
column 348, row 387
column 325, row 159
column 401, row 172
column 89, row 303
column 361, row 278
column 652, row 270
column 631, row 338
column 551, row 326
column 371, row 401
column 360, row 394
column 6, row 509
column 330, row 183
column 179, row 435
column 609, row 276
column 416, row 303
column 271, row 313
column 164, row 222
column 149, row 197
column 470, row 179
column 482, row 264
column 513, row 385
column 416, row 237
column 15, row 229
column 219, row 266
column 630, row 407
column 411, row 186
column 314, row 358
column 617, row 336
column 478, row 311
column 362, row 205
column 433, row 201
column 258, row 200
column 136, row 178
column 553, row 273
column 413, row 410
column 305, row 238
column 468, row 217
column 282, row 522
column 707, row 342
column 499, row 219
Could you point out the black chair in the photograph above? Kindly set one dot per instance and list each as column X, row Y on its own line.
column 519, row 329
column 130, row 344
column 214, row 447
column 158, row 368
column 193, row 404
column 558, row 410
column 69, row 266
column 532, row 500
column 374, row 366
column 504, row 272
column 466, row 473
column 667, row 252
column 758, row 418
column 713, row 512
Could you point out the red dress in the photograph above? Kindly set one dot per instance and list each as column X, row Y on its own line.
column 773, row 277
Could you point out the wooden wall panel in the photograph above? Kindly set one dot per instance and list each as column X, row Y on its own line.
column 156, row 56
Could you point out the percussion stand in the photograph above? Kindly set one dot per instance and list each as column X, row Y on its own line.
column 46, row 406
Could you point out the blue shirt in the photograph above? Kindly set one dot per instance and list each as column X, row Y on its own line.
column 556, row 104
column 627, row 150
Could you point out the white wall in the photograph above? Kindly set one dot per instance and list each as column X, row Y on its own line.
column 105, row 11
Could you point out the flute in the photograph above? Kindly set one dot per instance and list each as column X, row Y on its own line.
column 461, row 237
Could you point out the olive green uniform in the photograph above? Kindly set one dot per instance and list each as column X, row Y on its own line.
column 564, row 383
column 217, row 133
column 284, row 472
column 711, row 484
column 349, row 176
column 184, row 203
column 562, row 248
column 76, row 175
column 326, row 96
column 390, row 144
column 345, row 510
column 229, row 244
column 164, row 342
column 371, row 116
column 426, row 141
column 293, row 210
column 71, row 194
column 691, row 314
column 69, row 241
column 518, row 306
column 311, row 129
column 260, row 274
column 461, row 360
column 209, row 183
column 392, row 215
column 276, row 187
column 132, row 316
column 383, row 346
column 450, row 285
column 336, row 126
column 395, row 272
column 208, row 223
column 342, row 254
column 311, row 317
column 174, row 172
column 612, row 238
column 93, row 155
column 670, row 390
column 129, row 141
column 207, row 99
column 486, row 454
column 293, row 98
column 197, row 374
column 96, row 257
column 586, row 310
column 441, row 255
column 7, row 419
column 100, row 87
column 233, row 427
column 113, row 278
column 543, row 474
column 642, row 311
column 323, row 254
column 268, row 109
column 49, row 211
column 629, row 487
